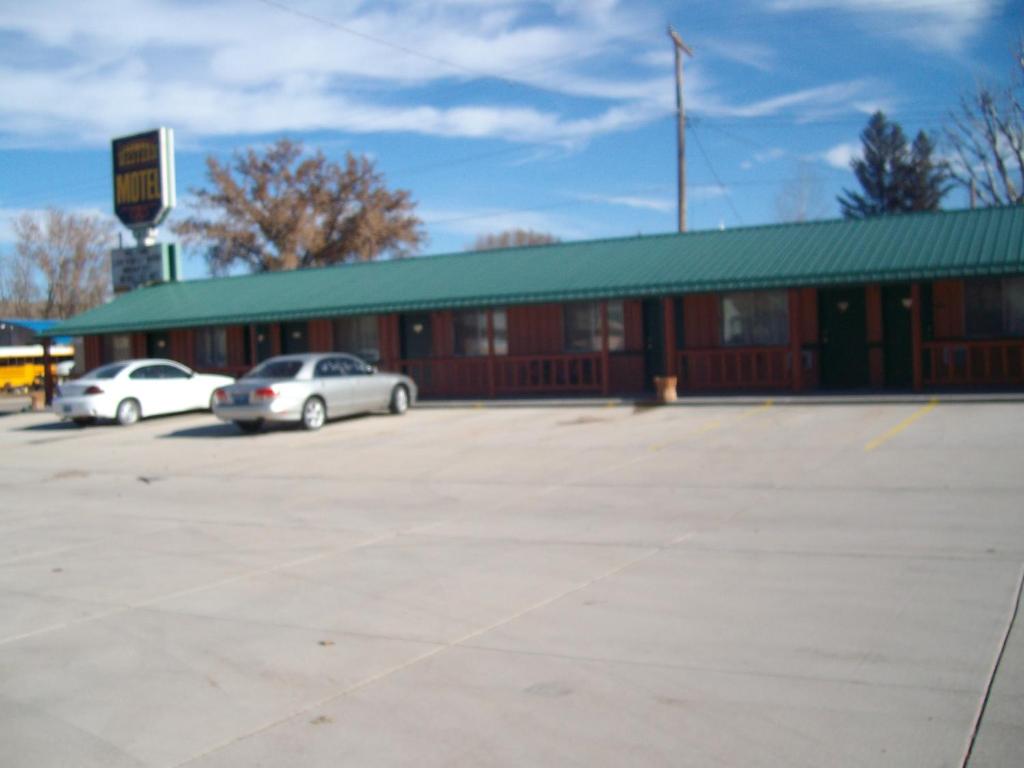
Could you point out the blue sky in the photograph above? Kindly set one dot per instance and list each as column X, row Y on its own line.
column 556, row 116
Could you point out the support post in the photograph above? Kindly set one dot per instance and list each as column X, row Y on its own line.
column 795, row 347
column 915, row 334
column 604, row 349
column 47, row 372
column 253, row 362
column 490, row 353
column 668, row 317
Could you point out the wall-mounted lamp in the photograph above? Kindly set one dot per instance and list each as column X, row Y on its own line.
column 907, row 302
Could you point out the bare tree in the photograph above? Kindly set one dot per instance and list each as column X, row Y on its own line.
column 803, row 197
column 282, row 210
column 61, row 265
column 986, row 137
column 512, row 238
column 16, row 297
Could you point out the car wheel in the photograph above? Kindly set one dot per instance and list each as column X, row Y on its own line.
column 84, row 421
column 249, row 427
column 128, row 412
column 399, row 400
column 313, row 414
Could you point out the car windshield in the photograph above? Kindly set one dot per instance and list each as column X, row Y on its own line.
column 276, row 369
column 106, row 372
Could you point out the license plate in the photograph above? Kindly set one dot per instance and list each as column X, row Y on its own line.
column 241, row 400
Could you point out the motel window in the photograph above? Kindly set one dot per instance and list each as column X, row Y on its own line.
column 583, row 327
column 117, row 346
column 994, row 307
column 755, row 318
column 212, row 347
column 471, row 333
column 358, row 335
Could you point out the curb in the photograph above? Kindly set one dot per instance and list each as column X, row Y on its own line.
column 728, row 400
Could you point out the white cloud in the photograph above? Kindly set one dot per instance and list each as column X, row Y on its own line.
column 841, row 155
column 241, row 67
column 755, row 55
column 765, row 156
column 658, row 204
column 473, row 222
column 930, row 24
column 697, row 192
column 815, row 102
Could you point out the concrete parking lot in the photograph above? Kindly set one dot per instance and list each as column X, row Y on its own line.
column 734, row 585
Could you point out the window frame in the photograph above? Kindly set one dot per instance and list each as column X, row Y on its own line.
column 112, row 341
column 218, row 342
column 481, row 338
column 367, row 322
column 1010, row 313
column 755, row 316
column 593, row 331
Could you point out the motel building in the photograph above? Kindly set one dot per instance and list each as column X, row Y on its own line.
column 914, row 302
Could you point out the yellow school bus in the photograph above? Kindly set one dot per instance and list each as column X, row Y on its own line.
column 21, row 367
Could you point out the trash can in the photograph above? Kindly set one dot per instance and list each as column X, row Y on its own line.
column 38, row 400
column 665, row 389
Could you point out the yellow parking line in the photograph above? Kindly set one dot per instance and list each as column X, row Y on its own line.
column 886, row 436
column 712, row 424
column 762, row 407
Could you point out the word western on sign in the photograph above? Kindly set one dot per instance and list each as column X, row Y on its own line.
column 144, row 178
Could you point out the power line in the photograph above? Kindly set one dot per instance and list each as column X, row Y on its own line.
column 502, row 77
column 506, row 211
column 714, row 173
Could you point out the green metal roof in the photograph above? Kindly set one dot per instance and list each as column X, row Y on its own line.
column 906, row 247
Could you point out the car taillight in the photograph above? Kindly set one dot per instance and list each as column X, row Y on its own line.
column 264, row 393
column 221, row 395
column 94, row 390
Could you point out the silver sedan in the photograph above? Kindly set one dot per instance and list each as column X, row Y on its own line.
column 309, row 389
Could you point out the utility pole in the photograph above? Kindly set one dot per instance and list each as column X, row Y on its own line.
column 680, row 48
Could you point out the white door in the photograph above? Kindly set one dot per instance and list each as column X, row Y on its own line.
column 334, row 385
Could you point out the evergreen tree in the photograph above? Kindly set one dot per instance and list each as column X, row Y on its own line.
column 927, row 181
column 894, row 178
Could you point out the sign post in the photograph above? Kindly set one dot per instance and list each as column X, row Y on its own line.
column 144, row 194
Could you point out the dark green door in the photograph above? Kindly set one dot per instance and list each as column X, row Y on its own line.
column 264, row 343
column 416, row 336
column 844, row 349
column 896, row 335
column 158, row 345
column 294, row 338
column 258, row 345
column 654, row 341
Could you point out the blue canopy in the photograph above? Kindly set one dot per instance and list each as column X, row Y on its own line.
column 36, row 326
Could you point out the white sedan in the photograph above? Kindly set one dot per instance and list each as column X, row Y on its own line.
column 132, row 389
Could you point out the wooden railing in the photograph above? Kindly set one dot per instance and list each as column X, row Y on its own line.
column 448, row 376
column 548, row 373
column 973, row 363
column 723, row 368
column 501, row 375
